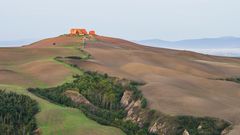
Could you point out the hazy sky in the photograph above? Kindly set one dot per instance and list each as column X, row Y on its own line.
column 129, row 19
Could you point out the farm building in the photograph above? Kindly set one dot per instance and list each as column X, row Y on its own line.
column 78, row 32
column 92, row 32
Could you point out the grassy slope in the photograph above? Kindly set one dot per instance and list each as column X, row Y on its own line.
column 55, row 119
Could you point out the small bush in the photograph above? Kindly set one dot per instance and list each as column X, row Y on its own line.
column 144, row 103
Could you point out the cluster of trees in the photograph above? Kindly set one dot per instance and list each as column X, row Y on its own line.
column 17, row 114
column 202, row 125
column 100, row 90
column 133, row 86
column 104, row 93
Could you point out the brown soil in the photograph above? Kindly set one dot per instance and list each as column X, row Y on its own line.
column 30, row 67
column 177, row 82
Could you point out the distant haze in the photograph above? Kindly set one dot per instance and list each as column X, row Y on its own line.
column 224, row 46
column 128, row 19
column 17, row 43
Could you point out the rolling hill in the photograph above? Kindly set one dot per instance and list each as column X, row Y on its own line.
column 177, row 82
column 24, row 67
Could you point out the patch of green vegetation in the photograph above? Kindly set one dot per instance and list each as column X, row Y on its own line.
column 105, row 93
column 17, row 114
column 101, row 90
column 62, row 61
column 137, row 94
column 202, row 126
column 12, row 88
column 233, row 79
column 56, row 119
column 144, row 103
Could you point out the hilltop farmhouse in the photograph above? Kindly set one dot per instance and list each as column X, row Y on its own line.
column 81, row 32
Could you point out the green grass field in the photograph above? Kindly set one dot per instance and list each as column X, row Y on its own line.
column 52, row 119
column 58, row 120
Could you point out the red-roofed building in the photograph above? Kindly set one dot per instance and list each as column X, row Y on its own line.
column 78, row 32
column 84, row 31
column 92, row 32
column 73, row 31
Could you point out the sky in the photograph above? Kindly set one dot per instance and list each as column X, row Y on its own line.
column 128, row 19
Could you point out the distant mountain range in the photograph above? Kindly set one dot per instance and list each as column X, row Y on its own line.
column 223, row 46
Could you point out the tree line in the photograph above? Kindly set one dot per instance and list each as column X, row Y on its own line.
column 17, row 114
